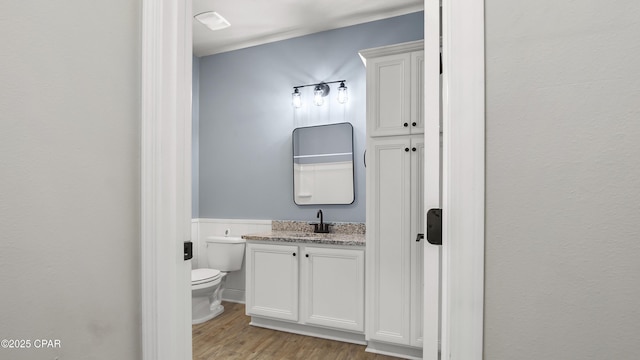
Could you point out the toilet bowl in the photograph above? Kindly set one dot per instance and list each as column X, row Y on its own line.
column 205, row 284
column 224, row 254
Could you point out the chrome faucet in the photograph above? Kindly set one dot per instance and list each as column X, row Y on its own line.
column 321, row 227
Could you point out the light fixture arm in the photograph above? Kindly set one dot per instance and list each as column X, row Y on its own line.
column 324, row 83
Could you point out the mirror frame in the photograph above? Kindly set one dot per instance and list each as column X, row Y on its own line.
column 353, row 166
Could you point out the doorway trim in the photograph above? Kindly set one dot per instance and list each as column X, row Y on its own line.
column 165, row 179
column 432, row 254
column 165, row 149
column 463, row 187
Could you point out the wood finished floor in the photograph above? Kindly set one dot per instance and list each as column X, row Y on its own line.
column 229, row 336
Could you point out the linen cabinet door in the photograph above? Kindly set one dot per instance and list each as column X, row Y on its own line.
column 388, row 240
column 417, row 227
column 389, row 95
column 417, row 92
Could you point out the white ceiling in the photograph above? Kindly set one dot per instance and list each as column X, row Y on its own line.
column 255, row 22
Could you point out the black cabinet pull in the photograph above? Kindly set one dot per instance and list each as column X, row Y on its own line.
column 419, row 237
column 294, row 254
column 406, row 124
column 413, row 149
column 406, row 149
column 307, row 255
column 414, row 123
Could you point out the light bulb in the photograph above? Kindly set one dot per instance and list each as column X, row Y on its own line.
column 296, row 99
column 318, row 93
column 342, row 93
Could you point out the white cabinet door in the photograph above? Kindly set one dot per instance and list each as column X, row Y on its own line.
column 417, row 227
column 332, row 285
column 417, row 92
column 388, row 239
column 272, row 281
column 389, row 95
column 395, row 89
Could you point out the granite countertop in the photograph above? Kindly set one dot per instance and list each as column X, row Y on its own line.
column 309, row 237
column 342, row 233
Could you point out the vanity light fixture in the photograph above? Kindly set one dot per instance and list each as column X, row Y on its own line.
column 320, row 91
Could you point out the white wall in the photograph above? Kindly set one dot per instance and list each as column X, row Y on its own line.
column 69, row 177
column 203, row 228
column 562, row 179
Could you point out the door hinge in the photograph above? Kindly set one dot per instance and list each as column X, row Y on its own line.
column 434, row 226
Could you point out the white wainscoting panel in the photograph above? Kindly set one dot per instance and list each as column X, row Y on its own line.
column 203, row 228
column 195, row 231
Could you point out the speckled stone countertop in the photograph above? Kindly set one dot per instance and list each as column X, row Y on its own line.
column 346, row 234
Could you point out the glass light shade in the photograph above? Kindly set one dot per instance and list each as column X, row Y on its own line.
column 342, row 93
column 317, row 96
column 296, row 99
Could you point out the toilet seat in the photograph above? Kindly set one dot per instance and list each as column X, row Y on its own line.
column 201, row 276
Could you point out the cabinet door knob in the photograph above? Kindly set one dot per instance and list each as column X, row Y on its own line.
column 406, row 124
column 414, row 123
column 413, row 149
column 406, row 149
column 307, row 255
column 294, row 254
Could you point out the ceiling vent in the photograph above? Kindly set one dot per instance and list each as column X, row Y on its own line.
column 212, row 20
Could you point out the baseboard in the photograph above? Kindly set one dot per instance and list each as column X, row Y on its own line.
column 233, row 295
column 307, row 330
column 400, row 351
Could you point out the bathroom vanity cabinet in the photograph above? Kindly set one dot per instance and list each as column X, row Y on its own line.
column 307, row 288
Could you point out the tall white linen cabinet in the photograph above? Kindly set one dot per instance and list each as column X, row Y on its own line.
column 394, row 170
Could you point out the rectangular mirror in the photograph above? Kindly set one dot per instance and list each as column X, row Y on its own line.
column 323, row 165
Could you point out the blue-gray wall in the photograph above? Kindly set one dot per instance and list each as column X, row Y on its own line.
column 195, row 144
column 246, row 118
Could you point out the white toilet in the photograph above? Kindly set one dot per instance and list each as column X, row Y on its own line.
column 225, row 254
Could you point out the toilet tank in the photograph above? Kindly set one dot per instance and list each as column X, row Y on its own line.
column 225, row 253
